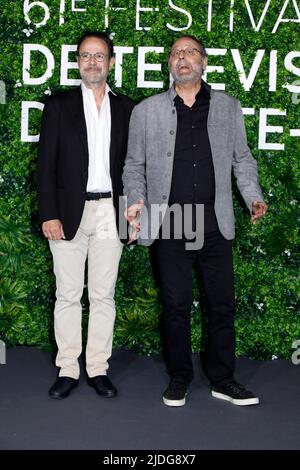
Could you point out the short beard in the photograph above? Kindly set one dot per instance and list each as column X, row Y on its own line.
column 100, row 77
column 194, row 76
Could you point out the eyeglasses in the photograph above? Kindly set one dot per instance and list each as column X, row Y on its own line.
column 189, row 51
column 86, row 56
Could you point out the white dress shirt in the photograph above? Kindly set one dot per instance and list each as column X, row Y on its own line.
column 98, row 126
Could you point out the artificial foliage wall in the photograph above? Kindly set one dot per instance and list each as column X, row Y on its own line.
column 254, row 54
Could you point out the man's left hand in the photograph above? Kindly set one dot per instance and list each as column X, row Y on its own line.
column 259, row 209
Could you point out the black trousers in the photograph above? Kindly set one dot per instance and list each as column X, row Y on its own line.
column 175, row 265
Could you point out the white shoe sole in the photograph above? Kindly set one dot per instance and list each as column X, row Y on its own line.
column 174, row 402
column 236, row 401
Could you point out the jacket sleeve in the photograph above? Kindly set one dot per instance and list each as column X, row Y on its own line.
column 47, row 162
column 244, row 165
column 134, row 180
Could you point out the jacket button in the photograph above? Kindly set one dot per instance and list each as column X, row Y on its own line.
column 171, row 132
column 169, row 154
column 164, row 198
column 173, row 111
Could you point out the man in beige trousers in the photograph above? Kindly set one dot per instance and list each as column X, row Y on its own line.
column 82, row 149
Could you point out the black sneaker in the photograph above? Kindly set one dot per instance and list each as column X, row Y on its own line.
column 176, row 392
column 235, row 393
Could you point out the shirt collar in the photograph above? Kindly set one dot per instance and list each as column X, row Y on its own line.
column 205, row 88
column 86, row 90
column 204, row 93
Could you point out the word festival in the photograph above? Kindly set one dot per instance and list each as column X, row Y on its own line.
column 288, row 12
column 144, row 9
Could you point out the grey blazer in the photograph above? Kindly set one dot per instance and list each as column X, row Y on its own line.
column 149, row 162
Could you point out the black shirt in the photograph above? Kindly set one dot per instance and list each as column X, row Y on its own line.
column 193, row 180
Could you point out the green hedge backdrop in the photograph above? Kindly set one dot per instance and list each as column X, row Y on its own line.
column 266, row 263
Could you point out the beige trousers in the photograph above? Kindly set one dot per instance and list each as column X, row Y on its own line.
column 96, row 240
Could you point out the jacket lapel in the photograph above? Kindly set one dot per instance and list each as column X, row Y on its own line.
column 80, row 124
column 115, row 129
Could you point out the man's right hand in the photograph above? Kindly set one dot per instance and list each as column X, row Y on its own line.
column 53, row 229
column 134, row 211
column 132, row 215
